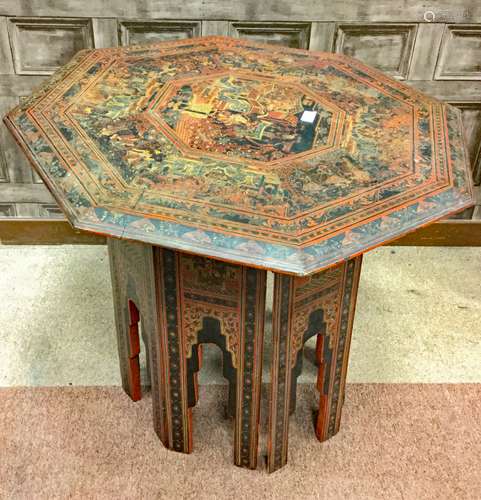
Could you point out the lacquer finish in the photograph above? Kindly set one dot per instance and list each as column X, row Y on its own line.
column 278, row 158
column 320, row 305
column 216, row 159
column 185, row 301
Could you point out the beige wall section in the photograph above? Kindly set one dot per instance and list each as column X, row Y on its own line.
column 437, row 49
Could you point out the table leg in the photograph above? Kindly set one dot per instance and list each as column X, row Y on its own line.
column 322, row 304
column 126, row 264
column 223, row 304
column 249, row 369
column 185, row 301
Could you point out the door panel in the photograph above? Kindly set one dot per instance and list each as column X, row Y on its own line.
column 286, row 34
column 138, row 32
column 471, row 112
column 460, row 54
column 387, row 47
column 40, row 46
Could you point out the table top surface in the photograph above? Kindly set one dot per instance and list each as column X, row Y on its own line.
column 270, row 157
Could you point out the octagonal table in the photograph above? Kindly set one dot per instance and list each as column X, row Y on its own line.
column 209, row 161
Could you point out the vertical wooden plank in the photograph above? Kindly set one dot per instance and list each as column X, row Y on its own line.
column 477, row 208
column 3, row 167
column 27, row 210
column 19, row 170
column 425, row 53
column 210, row 27
column 6, row 61
column 105, row 32
column 322, row 36
column 7, row 210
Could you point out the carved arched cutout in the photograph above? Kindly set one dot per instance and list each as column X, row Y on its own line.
column 211, row 333
column 134, row 351
column 315, row 326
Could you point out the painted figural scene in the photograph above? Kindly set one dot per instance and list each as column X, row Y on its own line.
column 278, row 158
column 258, row 120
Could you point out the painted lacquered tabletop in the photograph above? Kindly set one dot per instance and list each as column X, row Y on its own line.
column 270, row 157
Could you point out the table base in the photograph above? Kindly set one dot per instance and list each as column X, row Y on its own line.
column 183, row 301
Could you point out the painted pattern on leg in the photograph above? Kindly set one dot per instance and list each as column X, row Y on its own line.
column 280, row 372
column 249, row 370
column 320, row 305
column 173, row 353
column 332, row 376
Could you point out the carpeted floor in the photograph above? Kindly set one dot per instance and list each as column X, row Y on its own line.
column 416, row 441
